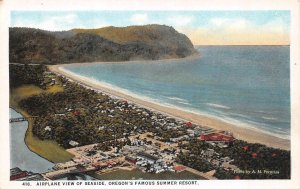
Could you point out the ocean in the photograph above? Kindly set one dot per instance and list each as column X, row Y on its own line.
column 245, row 85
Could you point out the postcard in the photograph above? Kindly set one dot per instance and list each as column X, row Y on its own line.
column 152, row 95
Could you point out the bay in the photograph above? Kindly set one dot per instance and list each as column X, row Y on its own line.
column 248, row 86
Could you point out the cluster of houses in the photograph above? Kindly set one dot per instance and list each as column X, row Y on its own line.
column 214, row 158
column 49, row 79
column 148, row 156
column 89, row 157
column 183, row 130
column 142, row 154
column 65, row 165
column 153, row 164
column 16, row 174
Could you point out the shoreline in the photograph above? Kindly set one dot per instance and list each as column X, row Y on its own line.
column 192, row 56
column 249, row 135
column 34, row 144
column 29, row 124
column 196, row 54
column 27, row 132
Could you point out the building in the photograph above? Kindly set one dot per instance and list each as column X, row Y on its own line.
column 64, row 165
column 208, row 153
column 179, row 168
column 217, row 137
column 17, row 173
column 73, row 143
column 100, row 165
column 47, row 128
column 131, row 159
column 148, row 157
column 32, row 177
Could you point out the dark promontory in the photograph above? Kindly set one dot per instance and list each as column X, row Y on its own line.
column 149, row 42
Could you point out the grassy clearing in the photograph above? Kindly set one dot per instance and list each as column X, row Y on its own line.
column 25, row 91
column 45, row 148
column 55, row 89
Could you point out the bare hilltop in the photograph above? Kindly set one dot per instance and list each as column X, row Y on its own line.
column 149, row 42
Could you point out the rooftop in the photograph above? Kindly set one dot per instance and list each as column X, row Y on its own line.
column 148, row 156
column 219, row 137
column 15, row 171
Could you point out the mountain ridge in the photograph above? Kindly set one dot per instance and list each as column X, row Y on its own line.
column 149, row 42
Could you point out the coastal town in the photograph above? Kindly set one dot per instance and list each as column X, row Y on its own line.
column 105, row 133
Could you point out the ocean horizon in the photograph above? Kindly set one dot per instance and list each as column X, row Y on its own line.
column 248, row 86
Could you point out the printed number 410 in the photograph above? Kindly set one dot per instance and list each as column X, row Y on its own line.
column 26, row 183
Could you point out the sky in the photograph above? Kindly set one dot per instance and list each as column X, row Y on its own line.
column 202, row 27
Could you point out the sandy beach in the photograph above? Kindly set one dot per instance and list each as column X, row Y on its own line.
column 249, row 135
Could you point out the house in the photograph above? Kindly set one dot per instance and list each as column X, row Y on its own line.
column 148, row 157
column 100, row 165
column 59, row 114
column 190, row 131
column 208, row 153
column 32, row 177
column 76, row 113
column 17, row 173
column 101, row 127
column 222, row 145
column 217, row 137
column 131, row 159
column 47, row 128
column 65, row 165
column 179, row 168
column 73, row 143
